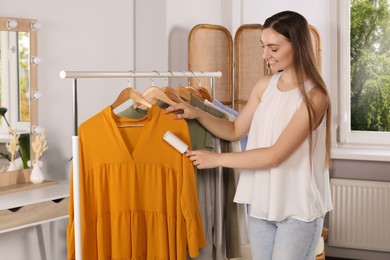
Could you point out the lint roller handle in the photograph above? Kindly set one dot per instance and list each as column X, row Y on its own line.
column 175, row 142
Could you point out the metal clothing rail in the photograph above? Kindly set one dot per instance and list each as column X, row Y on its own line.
column 138, row 74
column 75, row 139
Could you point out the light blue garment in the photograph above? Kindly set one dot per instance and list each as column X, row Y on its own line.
column 235, row 113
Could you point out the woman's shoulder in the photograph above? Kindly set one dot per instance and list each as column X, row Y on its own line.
column 263, row 83
column 266, row 78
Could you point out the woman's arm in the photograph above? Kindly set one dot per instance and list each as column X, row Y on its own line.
column 224, row 129
column 296, row 131
column 217, row 126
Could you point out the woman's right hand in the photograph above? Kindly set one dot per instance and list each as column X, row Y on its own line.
column 183, row 110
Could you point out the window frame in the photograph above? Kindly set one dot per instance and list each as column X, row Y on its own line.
column 349, row 144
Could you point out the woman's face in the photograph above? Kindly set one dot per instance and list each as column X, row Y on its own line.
column 277, row 50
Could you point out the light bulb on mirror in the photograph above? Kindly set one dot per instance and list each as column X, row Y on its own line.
column 36, row 129
column 36, row 26
column 11, row 24
column 35, row 95
column 36, row 60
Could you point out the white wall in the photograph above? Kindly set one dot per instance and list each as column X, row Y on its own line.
column 162, row 32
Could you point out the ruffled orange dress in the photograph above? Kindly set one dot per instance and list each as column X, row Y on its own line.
column 137, row 193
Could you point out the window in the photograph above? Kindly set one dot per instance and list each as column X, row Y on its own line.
column 363, row 72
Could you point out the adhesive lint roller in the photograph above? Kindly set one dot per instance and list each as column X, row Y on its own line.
column 175, row 141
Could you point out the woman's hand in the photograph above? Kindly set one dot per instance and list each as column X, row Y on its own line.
column 203, row 159
column 183, row 110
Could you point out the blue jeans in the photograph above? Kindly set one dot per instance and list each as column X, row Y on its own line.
column 290, row 239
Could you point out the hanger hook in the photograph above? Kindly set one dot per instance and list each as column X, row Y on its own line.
column 185, row 76
column 199, row 82
column 193, row 73
column 128, row 79
column 179, row 79
column 166, row 79
column 158, row 73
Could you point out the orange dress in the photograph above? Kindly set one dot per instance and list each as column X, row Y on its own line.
column 137, row 193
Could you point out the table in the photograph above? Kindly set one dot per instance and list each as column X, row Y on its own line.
column 34, row 207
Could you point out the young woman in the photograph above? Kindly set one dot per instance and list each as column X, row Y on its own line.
column 285, row 168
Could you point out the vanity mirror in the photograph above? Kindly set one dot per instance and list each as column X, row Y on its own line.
column 18, row 76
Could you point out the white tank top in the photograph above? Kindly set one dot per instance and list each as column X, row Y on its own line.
column 294, row 188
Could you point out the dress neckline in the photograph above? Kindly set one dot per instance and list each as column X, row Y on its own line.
column 143, row 123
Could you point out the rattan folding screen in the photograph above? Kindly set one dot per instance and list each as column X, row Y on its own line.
column 316, row 41
column 211, row 46
column 249, row 62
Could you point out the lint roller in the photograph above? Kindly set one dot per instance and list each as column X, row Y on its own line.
column 173, row 140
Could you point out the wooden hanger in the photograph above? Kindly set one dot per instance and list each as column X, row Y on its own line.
column 172, row 94
column 135, row 95
column 183, row 93
column 194, row 92
column 205, row 93
column 130, row 93
column 154, row 94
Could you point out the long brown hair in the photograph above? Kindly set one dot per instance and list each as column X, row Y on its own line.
column 295, row 28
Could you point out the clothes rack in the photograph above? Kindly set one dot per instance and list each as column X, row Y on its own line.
column 75, row 139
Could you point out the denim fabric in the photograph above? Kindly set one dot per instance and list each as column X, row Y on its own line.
column 290, row 239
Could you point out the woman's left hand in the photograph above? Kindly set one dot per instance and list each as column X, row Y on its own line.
column 203, row 159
